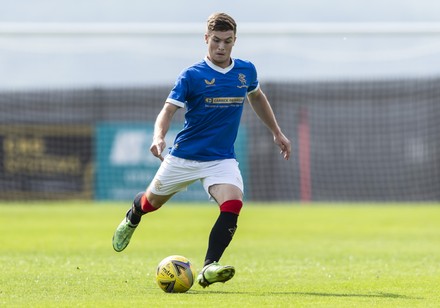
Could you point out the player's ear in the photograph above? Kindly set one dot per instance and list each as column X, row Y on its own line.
column 206, row 38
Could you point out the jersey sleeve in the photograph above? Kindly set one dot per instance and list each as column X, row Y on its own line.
column 180, row 91
column 254, row 84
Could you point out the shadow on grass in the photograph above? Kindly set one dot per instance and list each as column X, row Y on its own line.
column 321, row 294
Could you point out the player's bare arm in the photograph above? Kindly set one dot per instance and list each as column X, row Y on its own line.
column 262, row 108
column 161, row 127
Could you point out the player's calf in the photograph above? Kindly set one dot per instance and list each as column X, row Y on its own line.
column 140, row 207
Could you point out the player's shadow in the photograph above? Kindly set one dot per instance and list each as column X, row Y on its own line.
column 321, row 294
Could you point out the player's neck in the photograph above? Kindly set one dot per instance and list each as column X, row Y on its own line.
column 223, row 64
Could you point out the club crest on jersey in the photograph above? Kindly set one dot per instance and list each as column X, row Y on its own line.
column 242, row 79
column 210, row 83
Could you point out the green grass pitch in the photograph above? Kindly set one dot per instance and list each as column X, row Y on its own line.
column 297, row 255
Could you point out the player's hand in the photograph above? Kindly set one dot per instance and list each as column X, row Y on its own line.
column 284, row 144
column 157, row 147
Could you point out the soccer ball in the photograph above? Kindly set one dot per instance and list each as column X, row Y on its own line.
column 175, row 274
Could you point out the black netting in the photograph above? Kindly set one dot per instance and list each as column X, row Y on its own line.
column 357, row 140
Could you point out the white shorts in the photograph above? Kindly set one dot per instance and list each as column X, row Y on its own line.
column 176, row 174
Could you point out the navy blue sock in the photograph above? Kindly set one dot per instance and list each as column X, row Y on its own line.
column 134, row 215
column 220, row 236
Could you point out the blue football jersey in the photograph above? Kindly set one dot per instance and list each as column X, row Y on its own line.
column 213, row 98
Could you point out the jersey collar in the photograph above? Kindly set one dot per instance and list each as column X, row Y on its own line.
column 218, row 68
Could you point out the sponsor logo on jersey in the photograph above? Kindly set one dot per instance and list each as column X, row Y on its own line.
column 224, row 100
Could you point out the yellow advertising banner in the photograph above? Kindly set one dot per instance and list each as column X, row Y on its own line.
column 45, row 161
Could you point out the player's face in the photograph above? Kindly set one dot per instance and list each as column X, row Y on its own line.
column 220, row 45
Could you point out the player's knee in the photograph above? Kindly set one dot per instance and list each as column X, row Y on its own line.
column 231, row 206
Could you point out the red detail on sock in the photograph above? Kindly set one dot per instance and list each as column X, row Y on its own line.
column 146, row 205
column 231, row 206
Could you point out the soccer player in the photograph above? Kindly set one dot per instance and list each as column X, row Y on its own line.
column 213, row 92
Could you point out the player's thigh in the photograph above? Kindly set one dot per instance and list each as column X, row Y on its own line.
column 174, row 175
column 224, row 192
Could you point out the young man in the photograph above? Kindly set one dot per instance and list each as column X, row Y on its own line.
column 213, row 92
